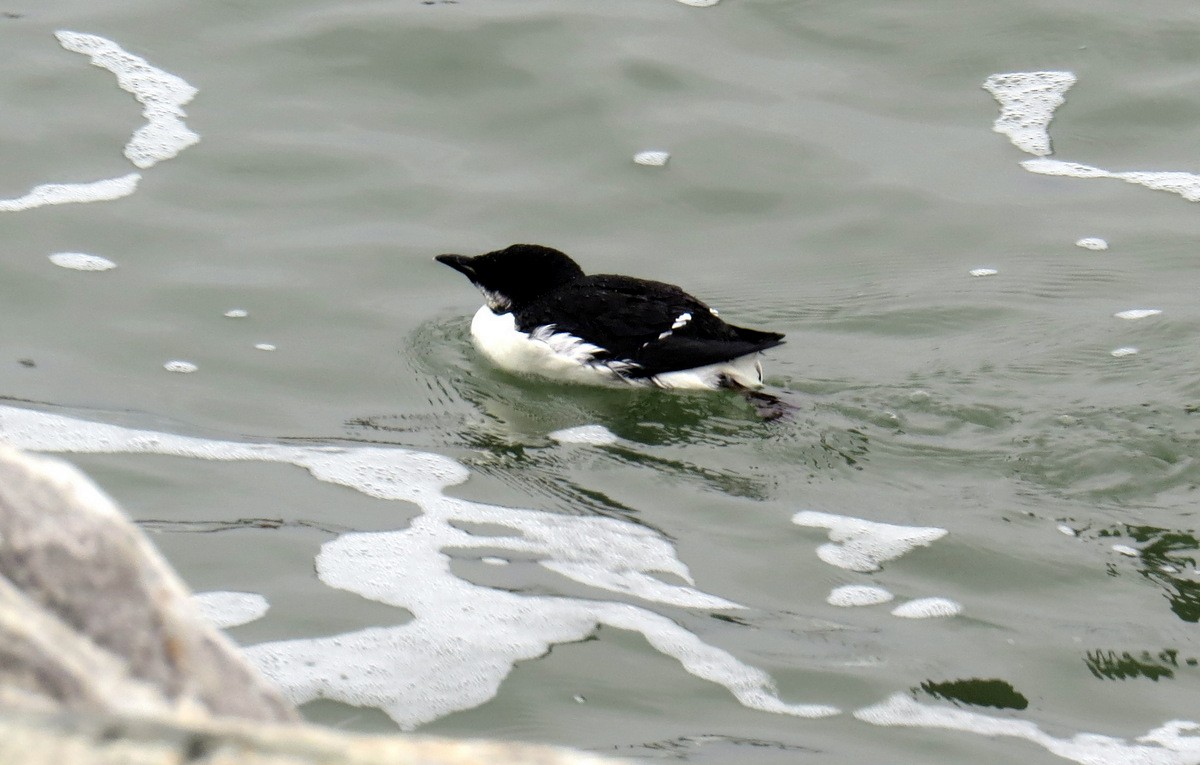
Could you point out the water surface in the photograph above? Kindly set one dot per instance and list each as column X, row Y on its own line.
column 833, row 174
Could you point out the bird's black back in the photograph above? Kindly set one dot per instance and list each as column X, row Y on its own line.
column 633, row 320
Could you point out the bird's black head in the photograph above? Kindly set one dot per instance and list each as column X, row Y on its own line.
column 515, row 276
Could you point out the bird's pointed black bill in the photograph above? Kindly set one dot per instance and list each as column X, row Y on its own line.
column 460, row 263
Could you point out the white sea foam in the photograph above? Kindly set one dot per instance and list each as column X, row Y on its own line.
column 236, row 313
column 1027, row 104
column 464, row 638
column 164, row 135
column 66, row 193
column 1092, row 243
column 653, row 158
column 161, row 94
column 264, row 346
column 596, row 435
column 80, row 261
column 1137, row 313
column 927, row 608
column 699, row 3
column 983, row 272
column 1165, row 745
column 852, row 595
column 1047, row 166
column 230, row 609
column 1123, row 351
column 1186, row 185
column 1028, row 101
column 860, row 545
column 180, row 366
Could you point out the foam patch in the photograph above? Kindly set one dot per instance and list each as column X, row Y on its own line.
column 161, row 94
column 1028, row 101
column 68, row 193
column 80, row 261
column 595, row 435
column 652, row 158
column 1092, row 243
column 855, row 595
column 1133, row 314
column 230, row 609
column 1165, row 745
column 860, row 545
column 1186, row 185
column 927, row 608
column 464, row 638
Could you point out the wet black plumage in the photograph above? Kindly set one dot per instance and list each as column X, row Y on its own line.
column 634, row 320
column 653, row 326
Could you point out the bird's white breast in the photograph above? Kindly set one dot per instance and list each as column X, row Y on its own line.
column 561, row 356
column 544, row 352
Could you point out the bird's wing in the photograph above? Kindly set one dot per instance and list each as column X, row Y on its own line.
column 656, row 326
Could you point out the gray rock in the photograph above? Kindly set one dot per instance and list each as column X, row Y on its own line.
column 99, row 619
column 105, row 659
column 78, row 740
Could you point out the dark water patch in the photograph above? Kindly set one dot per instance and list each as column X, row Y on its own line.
column 1166, row 557
column 1127, row 665
column 977, row 692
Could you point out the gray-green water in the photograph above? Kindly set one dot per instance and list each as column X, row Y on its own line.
column 833, row 175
